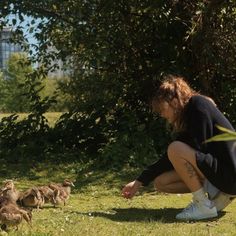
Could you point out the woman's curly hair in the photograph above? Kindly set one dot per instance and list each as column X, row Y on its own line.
column 175, row 87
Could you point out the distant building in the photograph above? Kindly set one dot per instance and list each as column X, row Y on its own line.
column 6, row 47
column 60, row 72
column 61, row 68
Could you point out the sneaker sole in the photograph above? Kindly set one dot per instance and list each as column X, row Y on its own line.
column 214, row 215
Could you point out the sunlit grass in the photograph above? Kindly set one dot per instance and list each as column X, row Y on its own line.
column 52, row 117
column 97, row 208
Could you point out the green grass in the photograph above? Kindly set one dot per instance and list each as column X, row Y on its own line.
column 52, row 117
column 97, row 208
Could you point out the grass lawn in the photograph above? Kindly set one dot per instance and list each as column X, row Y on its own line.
column 52, row 117
column 97, row 208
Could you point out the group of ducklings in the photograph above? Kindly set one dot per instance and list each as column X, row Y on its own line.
column 16, row 205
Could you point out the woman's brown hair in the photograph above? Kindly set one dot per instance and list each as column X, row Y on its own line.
column 175, row 87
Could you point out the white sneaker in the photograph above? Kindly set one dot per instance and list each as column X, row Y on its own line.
column 197, row 210
column 222, row 200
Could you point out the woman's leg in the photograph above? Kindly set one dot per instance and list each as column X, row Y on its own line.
column 183, row 159
column 170, row 182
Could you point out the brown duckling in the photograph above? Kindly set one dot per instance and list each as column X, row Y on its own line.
column 33, row 197
column 5, row 201
column 60, row 197
column 12, row 215
column 63, row 189
column 47, row 193
column 66, row 186
column 9, row 191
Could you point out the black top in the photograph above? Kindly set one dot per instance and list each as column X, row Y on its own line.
column 216, row 160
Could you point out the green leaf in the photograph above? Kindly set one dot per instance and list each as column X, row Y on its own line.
column 228, row 135
column 225, row 130
column 222, row 137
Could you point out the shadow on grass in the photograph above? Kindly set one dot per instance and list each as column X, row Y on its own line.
column 109, row 177
column 164, row 215
column 35, row 171
column 83, row 173
column 18, row 170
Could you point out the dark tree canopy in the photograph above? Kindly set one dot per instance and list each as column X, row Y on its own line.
column 117, row 49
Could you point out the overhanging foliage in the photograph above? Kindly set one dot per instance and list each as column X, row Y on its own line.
column 118, row 49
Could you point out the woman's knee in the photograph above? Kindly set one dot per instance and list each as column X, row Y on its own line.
column 174, row 149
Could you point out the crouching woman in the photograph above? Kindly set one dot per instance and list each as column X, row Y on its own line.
column 207, row 170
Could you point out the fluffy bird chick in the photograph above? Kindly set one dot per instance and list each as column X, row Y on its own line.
column 9, row 191
column 47, row 193
column 61, row 191
column 60, row 197
column 4, row 200
column 33, row 197
column 12, row 215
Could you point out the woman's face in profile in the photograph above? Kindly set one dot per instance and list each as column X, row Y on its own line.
column 165, row 109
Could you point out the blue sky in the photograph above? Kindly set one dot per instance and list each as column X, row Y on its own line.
column 27, row 34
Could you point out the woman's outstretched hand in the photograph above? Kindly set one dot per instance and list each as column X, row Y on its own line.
column 130, row 189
